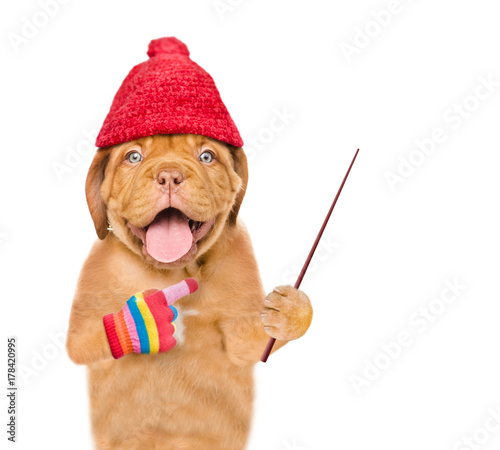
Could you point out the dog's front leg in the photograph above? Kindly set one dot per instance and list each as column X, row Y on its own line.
column 284, row 314
column 101, row 290
column 86, row 342
column 245, row 339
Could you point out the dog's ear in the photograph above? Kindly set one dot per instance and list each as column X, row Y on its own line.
column 241, row 168
column 95, row 177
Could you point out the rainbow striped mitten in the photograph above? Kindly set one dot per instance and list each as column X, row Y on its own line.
column 144, row 324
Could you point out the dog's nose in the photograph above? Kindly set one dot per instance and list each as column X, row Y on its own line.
column 169, row 176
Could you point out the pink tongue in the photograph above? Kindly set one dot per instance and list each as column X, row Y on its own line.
column 169, row 237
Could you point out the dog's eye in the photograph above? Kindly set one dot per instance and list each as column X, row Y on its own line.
column 206, row 157
column 134, row 157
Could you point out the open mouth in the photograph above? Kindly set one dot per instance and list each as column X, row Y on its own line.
column 171, row 235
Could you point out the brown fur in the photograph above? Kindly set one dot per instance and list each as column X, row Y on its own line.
column 199, row 394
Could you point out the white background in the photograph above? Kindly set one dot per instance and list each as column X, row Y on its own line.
column 386, row 252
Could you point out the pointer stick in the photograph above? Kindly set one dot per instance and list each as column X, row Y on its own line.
column 271, row 342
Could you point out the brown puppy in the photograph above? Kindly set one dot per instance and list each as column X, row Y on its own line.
column 199, row 394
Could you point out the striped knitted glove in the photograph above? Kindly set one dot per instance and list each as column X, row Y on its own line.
column 144, row 324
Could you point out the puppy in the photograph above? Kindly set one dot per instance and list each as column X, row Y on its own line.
column 199, row 394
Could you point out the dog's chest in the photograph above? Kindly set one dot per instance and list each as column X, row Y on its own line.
column 180, row 322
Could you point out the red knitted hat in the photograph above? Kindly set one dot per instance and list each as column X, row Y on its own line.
column 167, row 94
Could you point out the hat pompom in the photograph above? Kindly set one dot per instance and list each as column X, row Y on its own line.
column 167, row 46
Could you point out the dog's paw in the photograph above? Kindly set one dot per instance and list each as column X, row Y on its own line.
column 287, row 313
